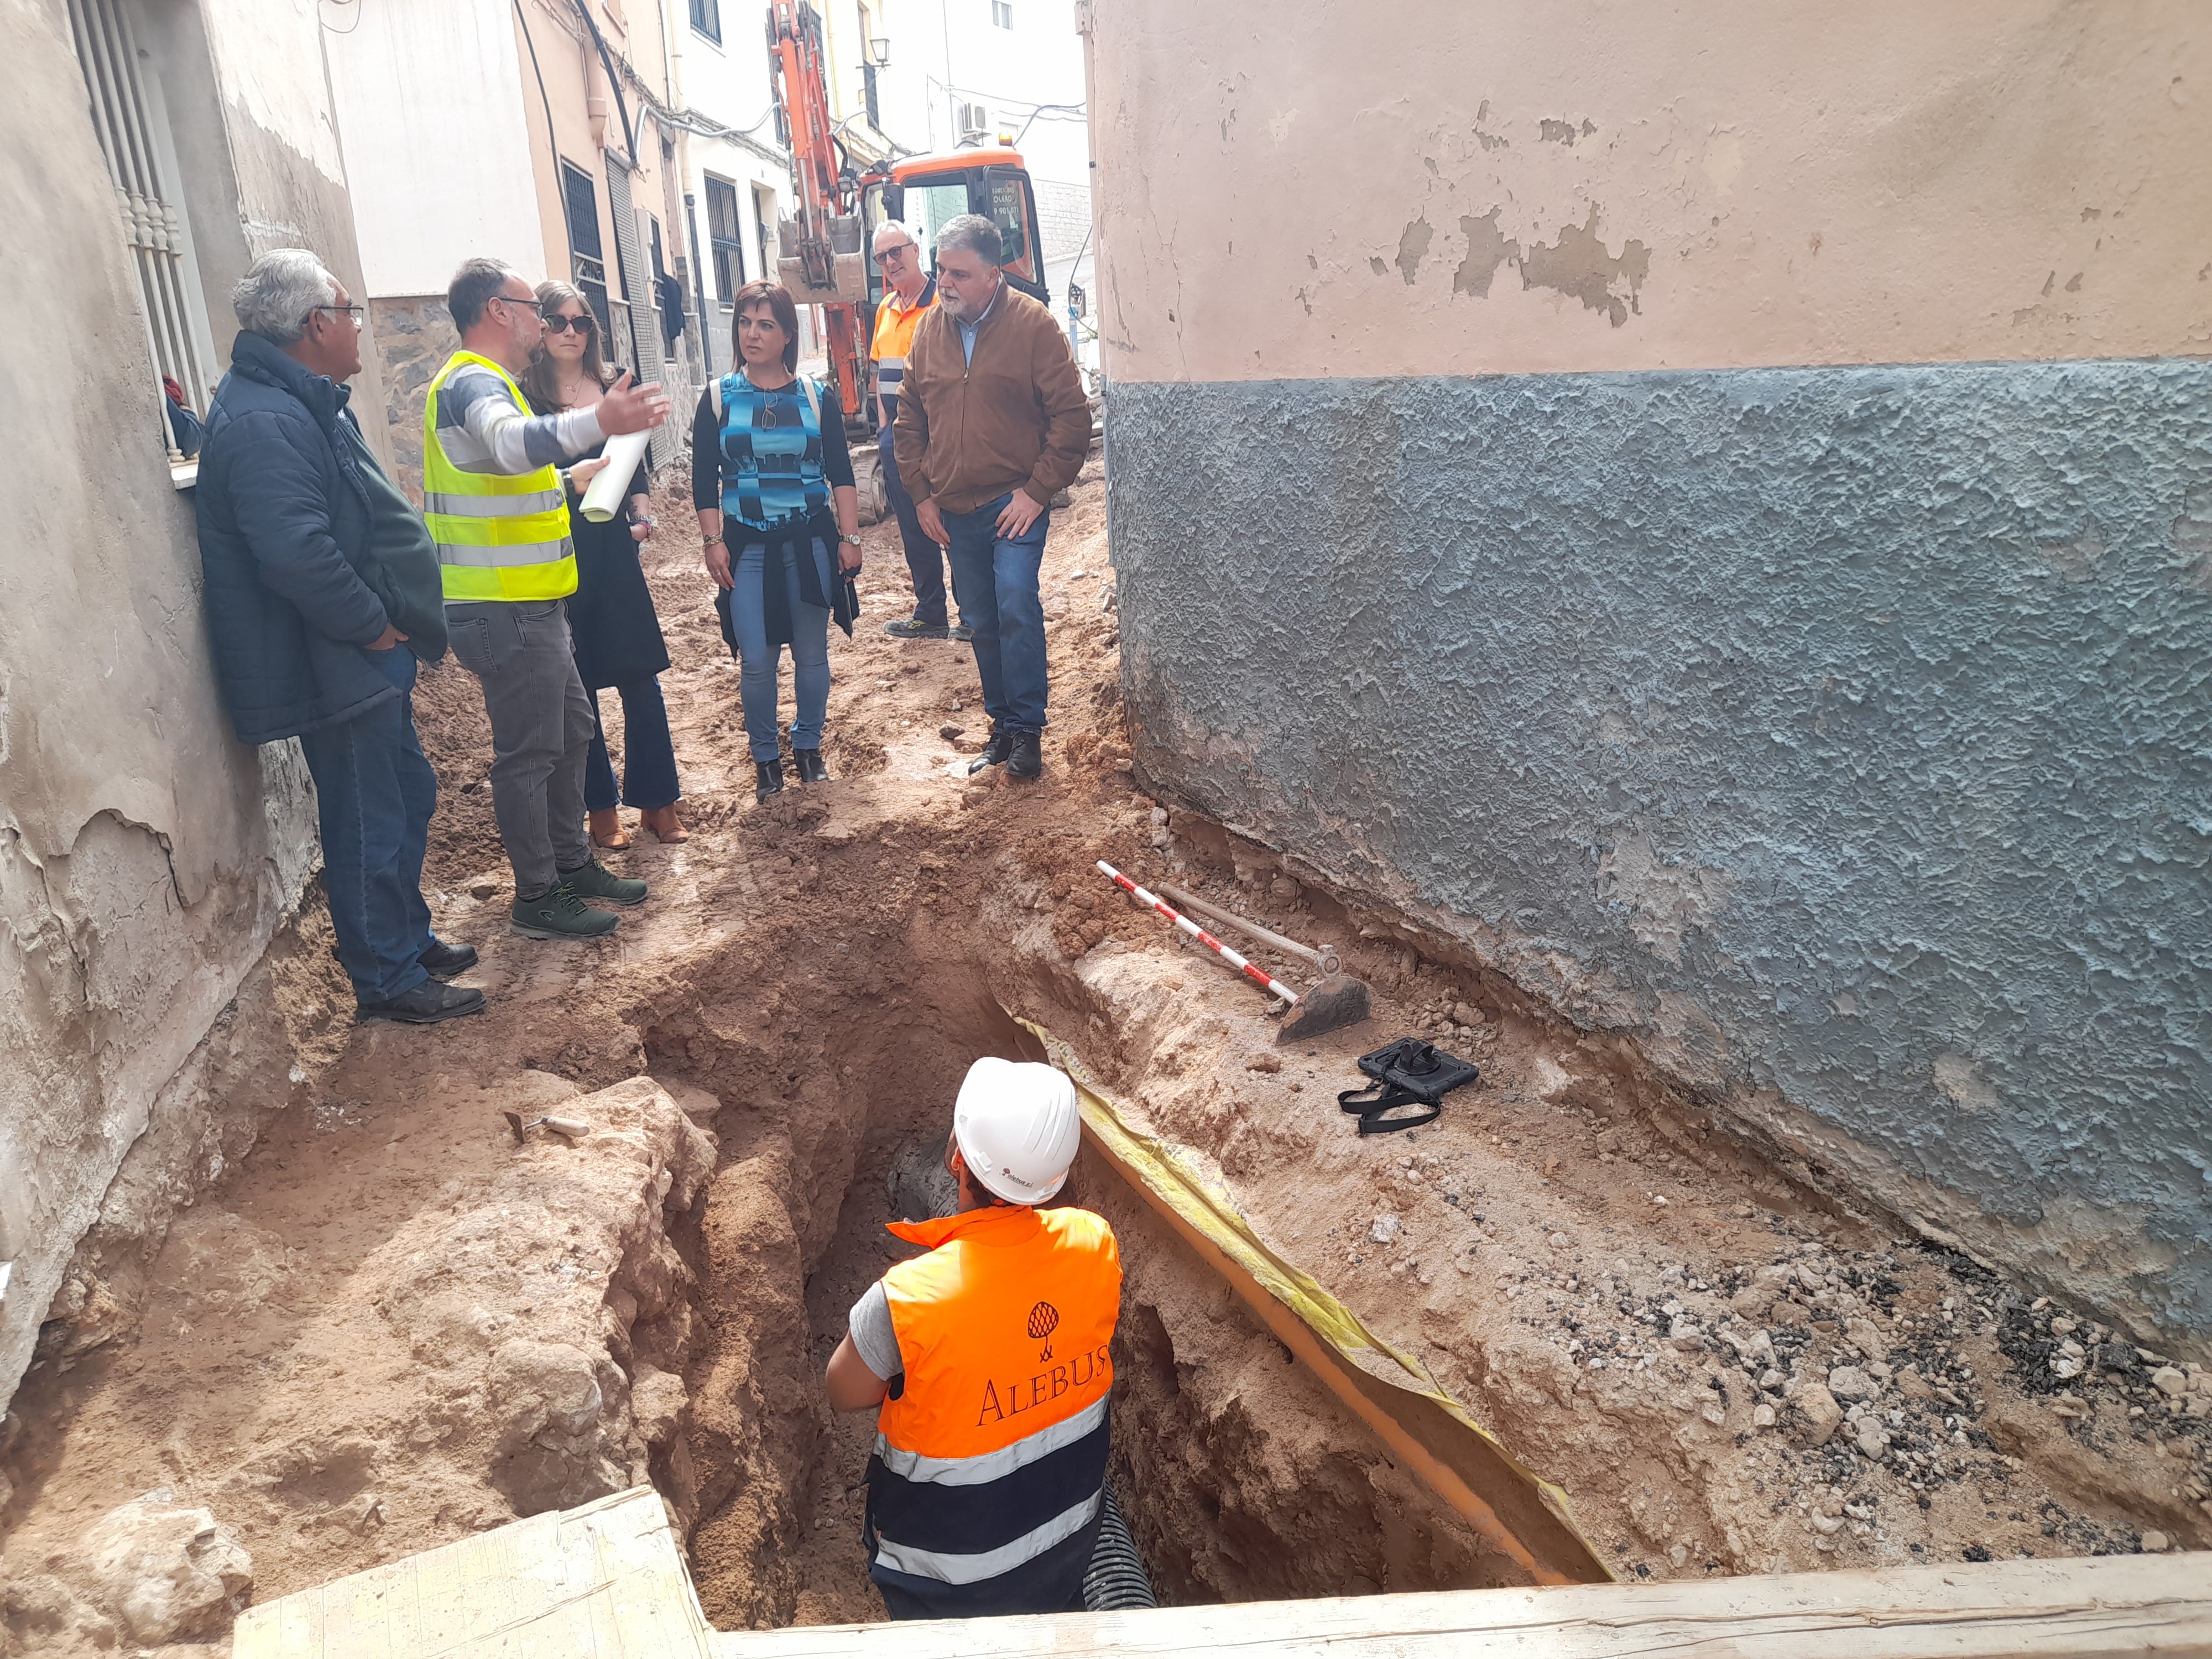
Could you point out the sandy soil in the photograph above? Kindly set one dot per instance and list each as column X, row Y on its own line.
column 389, row 1327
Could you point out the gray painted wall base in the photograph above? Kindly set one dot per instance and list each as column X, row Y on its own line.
column 1844, row 735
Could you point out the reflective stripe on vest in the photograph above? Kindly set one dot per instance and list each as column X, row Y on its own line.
column 989, row 1466
column 494, row 507
column 771, row 453
column 499, row 536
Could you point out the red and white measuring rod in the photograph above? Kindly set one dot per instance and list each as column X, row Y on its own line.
column 1143, row 896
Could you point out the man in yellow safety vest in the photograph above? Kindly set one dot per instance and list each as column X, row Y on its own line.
column 493, row 495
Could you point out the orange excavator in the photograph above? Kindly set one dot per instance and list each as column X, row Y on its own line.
column 824, row 246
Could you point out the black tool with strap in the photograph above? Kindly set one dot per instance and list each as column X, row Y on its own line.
column 1407, row 1073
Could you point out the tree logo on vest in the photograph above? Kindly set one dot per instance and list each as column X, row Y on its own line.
column 1044, row 1319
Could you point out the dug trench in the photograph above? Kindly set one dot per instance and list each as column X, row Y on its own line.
column 387, row 1326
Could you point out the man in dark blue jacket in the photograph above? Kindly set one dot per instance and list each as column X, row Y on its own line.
column 322, row 590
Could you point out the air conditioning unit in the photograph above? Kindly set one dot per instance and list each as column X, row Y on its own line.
column 975, row 124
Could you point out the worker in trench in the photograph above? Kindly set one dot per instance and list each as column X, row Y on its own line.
column 986, row 1363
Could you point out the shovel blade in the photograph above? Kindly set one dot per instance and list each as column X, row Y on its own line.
column 1338, row 1001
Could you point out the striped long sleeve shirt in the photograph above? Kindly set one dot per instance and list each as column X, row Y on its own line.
column 482, row 429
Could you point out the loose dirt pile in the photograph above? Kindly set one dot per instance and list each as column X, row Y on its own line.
column 389, row 1327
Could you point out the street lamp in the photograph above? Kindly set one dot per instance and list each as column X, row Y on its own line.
column 880, row 51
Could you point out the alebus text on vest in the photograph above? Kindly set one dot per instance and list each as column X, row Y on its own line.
column 1044, row 1386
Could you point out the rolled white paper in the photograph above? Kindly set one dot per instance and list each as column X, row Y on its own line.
column 603, row 499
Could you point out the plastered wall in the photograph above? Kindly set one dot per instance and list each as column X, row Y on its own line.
column 1456, row 189
column 1713, row 514
column 145, row 857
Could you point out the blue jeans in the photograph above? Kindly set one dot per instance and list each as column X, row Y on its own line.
column 994, row 578
column 757, row 660
column 649, row 779
column 375, row 791
column 925, row 559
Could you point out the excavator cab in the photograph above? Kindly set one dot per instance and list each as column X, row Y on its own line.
column 926, row 190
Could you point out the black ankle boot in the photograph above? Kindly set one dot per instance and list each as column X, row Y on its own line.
column 768, row 779
column 810, row 769
column 1000, row 745
column 1027, row 759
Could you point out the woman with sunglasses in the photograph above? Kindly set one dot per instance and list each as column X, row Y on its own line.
column 610, row 615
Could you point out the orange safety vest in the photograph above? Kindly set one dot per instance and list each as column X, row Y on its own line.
column 984, row 1491
column 893, row 342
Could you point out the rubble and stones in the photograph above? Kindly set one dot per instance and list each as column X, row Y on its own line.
column 490, row 1330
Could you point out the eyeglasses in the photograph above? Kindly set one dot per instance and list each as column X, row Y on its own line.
column 509, row 299
column 888, row 254
column 354, row 312
column 561, row 325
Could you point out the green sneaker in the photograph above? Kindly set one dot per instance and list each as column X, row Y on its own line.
column 561, row 914
column 596, row 881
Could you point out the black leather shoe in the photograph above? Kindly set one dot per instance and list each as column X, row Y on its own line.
column 426, row 1005
column 1028, row 757
column 1000, row 745
column 810, row 769
column 768, row 779
column 444, row 961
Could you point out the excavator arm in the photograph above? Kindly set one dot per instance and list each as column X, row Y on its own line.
column 822, row 261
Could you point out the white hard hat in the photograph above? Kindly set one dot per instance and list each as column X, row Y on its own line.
column 1017, row 1127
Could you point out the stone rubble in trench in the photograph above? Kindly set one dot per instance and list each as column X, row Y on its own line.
column 386, row 1328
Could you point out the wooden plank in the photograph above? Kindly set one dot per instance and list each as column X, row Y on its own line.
column 2100, row 1608
column 607, row 1581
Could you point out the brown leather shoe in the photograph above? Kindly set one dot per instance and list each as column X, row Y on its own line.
column 663, row 822
column 607, row 828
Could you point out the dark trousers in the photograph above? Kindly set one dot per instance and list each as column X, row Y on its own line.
column 994, row 578
column 648, row 776
column 541, row 732
column 925, row 559
column 374, row 792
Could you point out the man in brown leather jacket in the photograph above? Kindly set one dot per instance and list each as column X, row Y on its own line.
column 992, row 424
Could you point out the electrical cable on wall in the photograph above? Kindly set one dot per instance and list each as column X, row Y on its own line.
column 1040, row 110
column 552, row 142
column 622, row 109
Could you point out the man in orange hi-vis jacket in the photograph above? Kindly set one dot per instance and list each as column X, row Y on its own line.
column 987, row 1361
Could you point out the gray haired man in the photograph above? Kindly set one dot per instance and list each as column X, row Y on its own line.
column 908, row 293
column 993, row 424
column 322, row 591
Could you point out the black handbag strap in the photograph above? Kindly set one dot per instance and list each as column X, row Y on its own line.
column 1371, row 1104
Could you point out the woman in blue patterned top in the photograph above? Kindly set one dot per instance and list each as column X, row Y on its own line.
column 773, row 481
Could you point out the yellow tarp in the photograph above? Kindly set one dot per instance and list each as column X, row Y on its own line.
column 1184, row 1184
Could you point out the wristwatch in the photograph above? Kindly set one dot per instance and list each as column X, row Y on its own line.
column 855, row 540
column 709, row 541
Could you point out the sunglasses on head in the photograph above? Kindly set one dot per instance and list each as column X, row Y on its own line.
column 584, row 324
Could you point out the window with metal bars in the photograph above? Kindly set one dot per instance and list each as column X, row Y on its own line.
column 725, row 239
column 707, row 18
column 587, row 263
column 128, row 114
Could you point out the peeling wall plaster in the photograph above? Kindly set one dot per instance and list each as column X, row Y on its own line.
column 145, row 857
column 1905, row 183
column 1751, row 714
